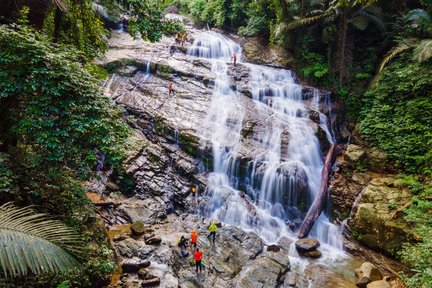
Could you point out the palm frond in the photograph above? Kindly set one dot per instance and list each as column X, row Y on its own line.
column 60, row 4
column 423, row 51
column 34, row 242
column 421, row 19
column 304, row 21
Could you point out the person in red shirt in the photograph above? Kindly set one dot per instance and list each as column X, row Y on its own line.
column 170, row 88
column 235, row 59
column 198, row 258
column 194, row 238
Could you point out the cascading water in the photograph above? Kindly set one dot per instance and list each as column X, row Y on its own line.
column 285, row 177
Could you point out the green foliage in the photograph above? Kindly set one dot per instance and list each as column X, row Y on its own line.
column 317, row 67
column 397, row 115
column 79, row 27
column 147, row 20
column 55, row 110
column 419, row 255
column 33, row 242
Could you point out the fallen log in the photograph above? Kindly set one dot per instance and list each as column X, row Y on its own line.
column 320, row 199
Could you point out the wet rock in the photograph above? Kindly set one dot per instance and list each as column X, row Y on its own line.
column 313, row 254
column 378, row 284
column 306, row 245
column 118, row 238
column 128, row 248
column 132, row 266
column 138, row 228
column 151, row 282
column 320, row 276
column 366, row 274
column 153, row 241
column 144, row 274
column 263, row 272
column 273, row 248
column 285, row 243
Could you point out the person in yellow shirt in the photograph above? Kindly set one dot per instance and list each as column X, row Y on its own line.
column 213, row 229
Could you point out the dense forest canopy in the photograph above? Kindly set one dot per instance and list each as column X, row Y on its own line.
column 54, row 120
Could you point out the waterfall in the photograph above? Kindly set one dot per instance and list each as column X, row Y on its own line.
column 284, row 178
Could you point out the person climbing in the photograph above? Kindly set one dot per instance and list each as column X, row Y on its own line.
column 170, row 88
column 198, row 258
column 177, row 38
column 194, row 238
column 182, row 242
column 213, row 229
column 193, row 192
column 235, row 59
column 184, row 38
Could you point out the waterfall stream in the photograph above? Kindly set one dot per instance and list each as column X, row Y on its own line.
column 283, row 179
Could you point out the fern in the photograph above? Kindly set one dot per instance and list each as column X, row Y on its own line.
column 34, row 242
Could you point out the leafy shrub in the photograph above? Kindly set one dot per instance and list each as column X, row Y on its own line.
column 397, row 113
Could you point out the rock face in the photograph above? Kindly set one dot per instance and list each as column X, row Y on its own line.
column 374, row 222
column 167, row 155
column 257, row 53
column 366, row 274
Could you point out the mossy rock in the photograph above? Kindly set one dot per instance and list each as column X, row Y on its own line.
column 189, row 142
column 374, row 223
column 138, row 228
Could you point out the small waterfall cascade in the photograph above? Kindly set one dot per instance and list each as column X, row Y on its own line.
column 283, row 179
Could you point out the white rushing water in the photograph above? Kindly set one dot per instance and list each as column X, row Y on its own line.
column 282, row 181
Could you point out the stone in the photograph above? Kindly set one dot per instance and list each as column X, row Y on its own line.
column 373, row 222
column 273, row 248
column 263, row 272
column 143, row 273
column 138, row 228
column 307, row 245
column 151, row 282
column 118, row 238
column 354, row 154
column 132, row 266
column 378, row 284
column 366, row 274
column 128, row 248
column 313, row 254
column 153, row 241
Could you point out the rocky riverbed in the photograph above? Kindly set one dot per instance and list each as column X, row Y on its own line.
column 167, row 156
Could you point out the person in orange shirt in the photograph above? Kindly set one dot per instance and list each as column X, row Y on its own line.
column 194, row 238
column 198, row 258
column 170, row 88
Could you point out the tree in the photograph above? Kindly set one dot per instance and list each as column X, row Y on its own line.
column 358, row 14
column 419, row 39
column 34, row 242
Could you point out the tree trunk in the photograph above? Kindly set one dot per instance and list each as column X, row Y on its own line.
column 341, row 69
column 57, row 23
column 284, row 8
column 320, row 199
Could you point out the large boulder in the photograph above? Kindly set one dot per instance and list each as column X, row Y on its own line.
column 138, row 228
column 366, row 274
column 374, row 222
column 263, row 272
column 133, row 266
column 307, row 245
